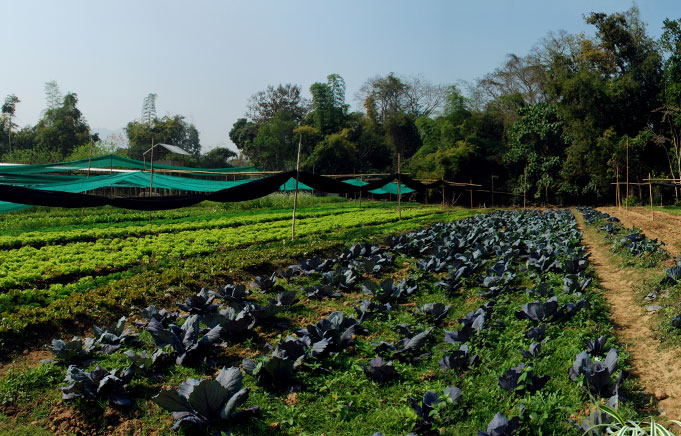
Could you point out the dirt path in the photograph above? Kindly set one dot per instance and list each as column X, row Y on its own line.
column 665, row 227
column 658, row 369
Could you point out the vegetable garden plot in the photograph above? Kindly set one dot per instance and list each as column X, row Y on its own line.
column 474, row 325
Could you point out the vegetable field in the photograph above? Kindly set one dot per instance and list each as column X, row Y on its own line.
column 445, row 322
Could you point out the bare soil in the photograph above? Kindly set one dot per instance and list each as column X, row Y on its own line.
column 657, row 368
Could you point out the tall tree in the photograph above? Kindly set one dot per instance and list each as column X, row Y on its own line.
column 606, row 89
column 53, row 95
column 149, row 109
column 242, row 134
column 63, row 128
column 8, row 111
column 391, row 94
column 263, row 105
column 536, row 151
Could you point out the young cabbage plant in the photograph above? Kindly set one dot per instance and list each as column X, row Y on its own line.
column 331, row 334
column 533, row 351
column 536, row 333
column 235, row 325
column 202, row 403
column 538, row 311
column 70, row 351
column 597, row 374
column 108, row 340
column 98, row 384
column 430, row 405
column 266, row 284
column 521, row 379
column 272, row 371
column 191, row 351
column 458, row 359
column 320, row 291
column 162, row 315
column 232, row 293
column 199, row 304
column 500, row 426
column 434, row 311
column 159, row 359
column 379, row 370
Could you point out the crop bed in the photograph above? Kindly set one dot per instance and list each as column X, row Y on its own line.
column 488, row 323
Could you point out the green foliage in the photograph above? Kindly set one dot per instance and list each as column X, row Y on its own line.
column 275, row 146
column 537, row 143
column 62, row 128
column 172, row 130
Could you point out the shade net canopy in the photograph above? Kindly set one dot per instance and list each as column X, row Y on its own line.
column 18, row 191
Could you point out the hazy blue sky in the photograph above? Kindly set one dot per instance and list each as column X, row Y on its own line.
column 204, row 59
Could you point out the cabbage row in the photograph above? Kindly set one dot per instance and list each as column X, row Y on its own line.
column 496, row 310
column 645, row 251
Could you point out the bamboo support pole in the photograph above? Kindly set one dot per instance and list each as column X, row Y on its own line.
column 626, row 197
column 524, row 186
column 492, row 192
column 295, row 195
column 399, row 183
column 471, row 191
column 361, row 182
column 650, row 188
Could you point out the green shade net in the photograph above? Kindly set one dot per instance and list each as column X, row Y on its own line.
column 111, row 161
column 389, row 188
column 139, row 179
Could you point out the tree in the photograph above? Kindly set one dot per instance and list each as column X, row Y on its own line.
column 242, row 134
column 53, row 96
column 63, row 128
column 390, row 95
column 217, row 158
column 334, row 155
column 8, row 110
column 274, row 147
column 606, row 89
column 402, row 135
column 263, row 105
column 536, row 150
column 149, row 109
column 173, row 130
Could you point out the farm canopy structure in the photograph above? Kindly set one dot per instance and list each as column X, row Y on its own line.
column 28, row 180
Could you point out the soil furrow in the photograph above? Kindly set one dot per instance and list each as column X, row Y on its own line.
column 657, row 368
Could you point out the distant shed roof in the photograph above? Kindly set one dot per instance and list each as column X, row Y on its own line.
column 170, row 148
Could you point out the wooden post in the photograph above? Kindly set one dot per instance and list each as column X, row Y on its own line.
column 151, row 180
column 89, row 166
column 524, row 185
column 361, row 182
column 399, row 183
column 443, row 192
column 626, row 197
column 471, row 190
column 492, row 191
column 617, row 184
column 295, row 195
column 89, row 161
column 650, row 187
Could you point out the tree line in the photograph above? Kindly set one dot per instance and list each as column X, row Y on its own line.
column 63, row 134
column 556, row 121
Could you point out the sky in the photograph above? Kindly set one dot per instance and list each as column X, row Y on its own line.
column 205, row 59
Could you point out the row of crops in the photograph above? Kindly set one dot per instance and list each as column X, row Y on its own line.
column 59, row 259
column 487, row 324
